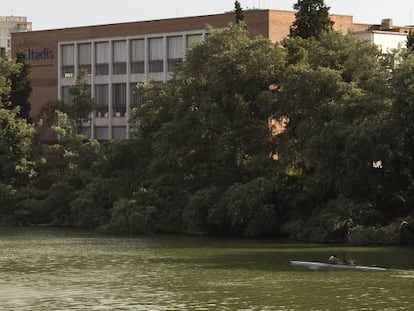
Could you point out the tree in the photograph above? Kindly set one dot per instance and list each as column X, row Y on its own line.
column 312, row 19
column 219, row 126
column 336, row 96
column 410, row 41
column 239, row 12
column 82, row 103
column 7, row 68
column 21, row 86
column 207, row 127
column 16, row 135
column 403, row 120
column 17, row 163
column 78, row 108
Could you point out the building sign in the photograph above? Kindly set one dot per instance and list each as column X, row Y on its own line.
column 43, row 54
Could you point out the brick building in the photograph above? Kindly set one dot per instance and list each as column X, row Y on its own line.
column 118, row 56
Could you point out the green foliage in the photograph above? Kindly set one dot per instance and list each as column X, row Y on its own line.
column 21, row 86
column 92, row 205
column 402, row 122
column 360, row 235
column 17, row 162
column 82, row 104
column 134, row 216
column 7, row 69
column 336, row 111
column 207, row 158
column 79, row 108
column 59, row 197
column 238, row 11
column 30, row 208
column 73, row 153
column 7, row 203
column 211, row 126
column 249, row 209
column 410, row 41
column 312, row 19
column 195, row 214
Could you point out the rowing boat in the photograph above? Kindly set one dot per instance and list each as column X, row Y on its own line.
column 327, row 266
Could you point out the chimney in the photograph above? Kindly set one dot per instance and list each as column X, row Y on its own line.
column 386, row 24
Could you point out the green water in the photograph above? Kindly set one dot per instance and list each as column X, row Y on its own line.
column 56, row 269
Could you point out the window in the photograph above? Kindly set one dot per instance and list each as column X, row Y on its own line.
column 68, row 61
column 119, row 57
column 135, row 95
column 137, row 56
column 101, row 133
column 193, row 40
column 156, row 53
column 86, row 131
column 102, row 58
column 67, row 97
column 84, row 57
column 119, row 132
column 119, row 99
column 175, row 51
column 101, row 99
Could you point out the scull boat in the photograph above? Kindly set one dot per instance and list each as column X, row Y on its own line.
column 327, row 266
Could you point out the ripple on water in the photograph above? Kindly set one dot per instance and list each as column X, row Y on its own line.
column 81, row 272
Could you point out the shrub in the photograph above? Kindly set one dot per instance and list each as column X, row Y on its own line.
column 360, row 235
column 129, row 217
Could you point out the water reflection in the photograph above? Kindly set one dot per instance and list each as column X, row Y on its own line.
column 48, row 269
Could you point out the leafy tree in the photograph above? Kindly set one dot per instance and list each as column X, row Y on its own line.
column 82, row 103
column 239, row 12
column 17, row 162
column 336, row 98
column 208, row 126
column 402, row 117
column 21, row 86
column 219, row 126
column 410, row 41
column 79, row 107
column 312, row 19
column 7, row 68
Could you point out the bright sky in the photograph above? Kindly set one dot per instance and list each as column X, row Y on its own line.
column 49, row 14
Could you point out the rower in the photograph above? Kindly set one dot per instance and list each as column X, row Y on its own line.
column 334, row 260
column 349, row 261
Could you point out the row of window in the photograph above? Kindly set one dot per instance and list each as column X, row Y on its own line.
column 102, row 100
column 103, row 132
column 118, row 53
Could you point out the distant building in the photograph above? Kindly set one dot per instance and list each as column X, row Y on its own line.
column 9, row 25
column 386, row 36
column 119, row 56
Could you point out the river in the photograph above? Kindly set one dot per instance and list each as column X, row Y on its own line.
column 66, row 269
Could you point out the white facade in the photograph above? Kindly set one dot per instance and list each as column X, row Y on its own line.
column 385, row 40
column 114, row 67
column 8, row 25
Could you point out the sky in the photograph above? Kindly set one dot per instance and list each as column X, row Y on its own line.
column 51, row 14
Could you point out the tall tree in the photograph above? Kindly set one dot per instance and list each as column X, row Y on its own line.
column 336, row 98
column 78, row 107
column 82, row 103
column 21, row 86
column 312, row 19
column 410, row 41
column 239, row 12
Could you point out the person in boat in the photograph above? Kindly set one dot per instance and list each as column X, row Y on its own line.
column 334, row 260
column 349, row 261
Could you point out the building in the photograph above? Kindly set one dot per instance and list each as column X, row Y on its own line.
column 9, row 25
column 118, row 56
column 386, row 36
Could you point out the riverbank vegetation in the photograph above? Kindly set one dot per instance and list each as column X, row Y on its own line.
column 310, row 139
